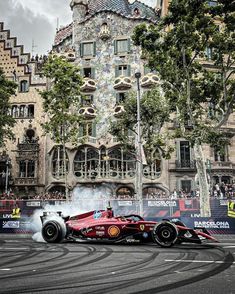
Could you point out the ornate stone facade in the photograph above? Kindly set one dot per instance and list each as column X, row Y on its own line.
column 99, row 42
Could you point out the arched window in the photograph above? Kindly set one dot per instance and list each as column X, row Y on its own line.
column 121, row 164
column 15, row 111
column 24, row 86
column 30, row 134
column 23, row 111
column 86, row 163
column 153, row 193
column 27, row 169
column 58, row 162
column 153, row 170
column 30, row 111
column 125, row 193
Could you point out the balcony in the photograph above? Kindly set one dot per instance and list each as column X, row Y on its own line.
column 118, row 110
column 185, row 164
column 222, row 165
column 122, row 83
column 68, row 54
column 88, row 112
column 25, row 181
column 89, row 85
column 105, row 32
column 28, row 146
column 149, row 80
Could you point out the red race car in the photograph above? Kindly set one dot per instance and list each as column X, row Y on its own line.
column 104, row 226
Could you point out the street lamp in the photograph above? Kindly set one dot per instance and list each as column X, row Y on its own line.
column 8, row 162
column 139, row 163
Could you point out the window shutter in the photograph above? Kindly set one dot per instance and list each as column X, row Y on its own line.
column 116, row 71
column 117, row 98
column 115, row 46
column 92, row 73
column 81, row 50
column 94, row 49
column 128, row 70
column 128, row 45
column 81, row 130
column 82, row 72
column 94, row 129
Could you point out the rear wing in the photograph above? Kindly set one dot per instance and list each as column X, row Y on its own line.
column 48, row 214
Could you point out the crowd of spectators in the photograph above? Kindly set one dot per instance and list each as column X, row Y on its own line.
column 49, row 196
column 42, row 196
column 223, row 191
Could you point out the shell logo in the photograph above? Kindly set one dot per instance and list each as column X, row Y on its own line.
column 113, row 231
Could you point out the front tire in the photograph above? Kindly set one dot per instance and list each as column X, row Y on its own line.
column 53, row 232
column 165, row 234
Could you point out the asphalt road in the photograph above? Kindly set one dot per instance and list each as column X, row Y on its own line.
column 30, row 267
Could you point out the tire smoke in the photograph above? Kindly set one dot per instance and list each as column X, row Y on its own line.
column 83, row 199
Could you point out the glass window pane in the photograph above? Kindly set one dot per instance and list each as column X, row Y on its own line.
column 122, row 46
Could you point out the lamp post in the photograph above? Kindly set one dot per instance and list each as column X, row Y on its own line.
column 8, row 161
column 139, row 163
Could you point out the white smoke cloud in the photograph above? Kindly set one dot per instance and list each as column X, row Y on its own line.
column 84, row 199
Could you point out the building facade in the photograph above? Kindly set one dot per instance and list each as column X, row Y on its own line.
column 99, row 42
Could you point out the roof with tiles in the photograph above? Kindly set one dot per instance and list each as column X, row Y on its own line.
column 146, row 11
column 120, row 7
column 63, row 33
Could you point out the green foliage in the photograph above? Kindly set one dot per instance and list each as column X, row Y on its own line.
column 7, row 122
column 154, row 112
column 177, row 48
column 61, row 100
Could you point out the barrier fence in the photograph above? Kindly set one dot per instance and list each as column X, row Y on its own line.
column 187, row 210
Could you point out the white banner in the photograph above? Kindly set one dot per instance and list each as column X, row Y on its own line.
column 125, row 203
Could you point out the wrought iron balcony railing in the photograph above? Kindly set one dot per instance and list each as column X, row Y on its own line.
column 185, row 164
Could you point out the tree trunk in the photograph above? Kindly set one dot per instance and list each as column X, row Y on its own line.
column 65, row 169
column 205, row 210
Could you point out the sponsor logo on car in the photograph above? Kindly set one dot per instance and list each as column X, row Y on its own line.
column 10, row 224
column 86, row 230
column 100, row 233
column 100, row 228
column 142, row 227
column 113, row 231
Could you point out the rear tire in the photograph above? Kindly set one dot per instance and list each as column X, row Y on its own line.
column 165, row 234
column 52, row 232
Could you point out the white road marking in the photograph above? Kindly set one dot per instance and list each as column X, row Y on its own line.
column 5, row 269
column 196, row 261
column 231, row 246
column 12, row 248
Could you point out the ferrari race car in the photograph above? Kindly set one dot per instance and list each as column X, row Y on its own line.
column 103, row 226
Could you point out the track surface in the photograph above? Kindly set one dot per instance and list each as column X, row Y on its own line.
column 30, row 267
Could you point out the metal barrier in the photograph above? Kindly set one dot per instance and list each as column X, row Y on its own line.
column 188, row 210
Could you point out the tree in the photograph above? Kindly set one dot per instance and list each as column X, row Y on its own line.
column 149, row 134
column 154, row 112
column 199, row 92
column 7, row 122
column 61, row 103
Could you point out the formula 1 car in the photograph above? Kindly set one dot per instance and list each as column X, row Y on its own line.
column 103, row 226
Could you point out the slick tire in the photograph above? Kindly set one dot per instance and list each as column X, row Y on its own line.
column 165, row 234
column 52, row 232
